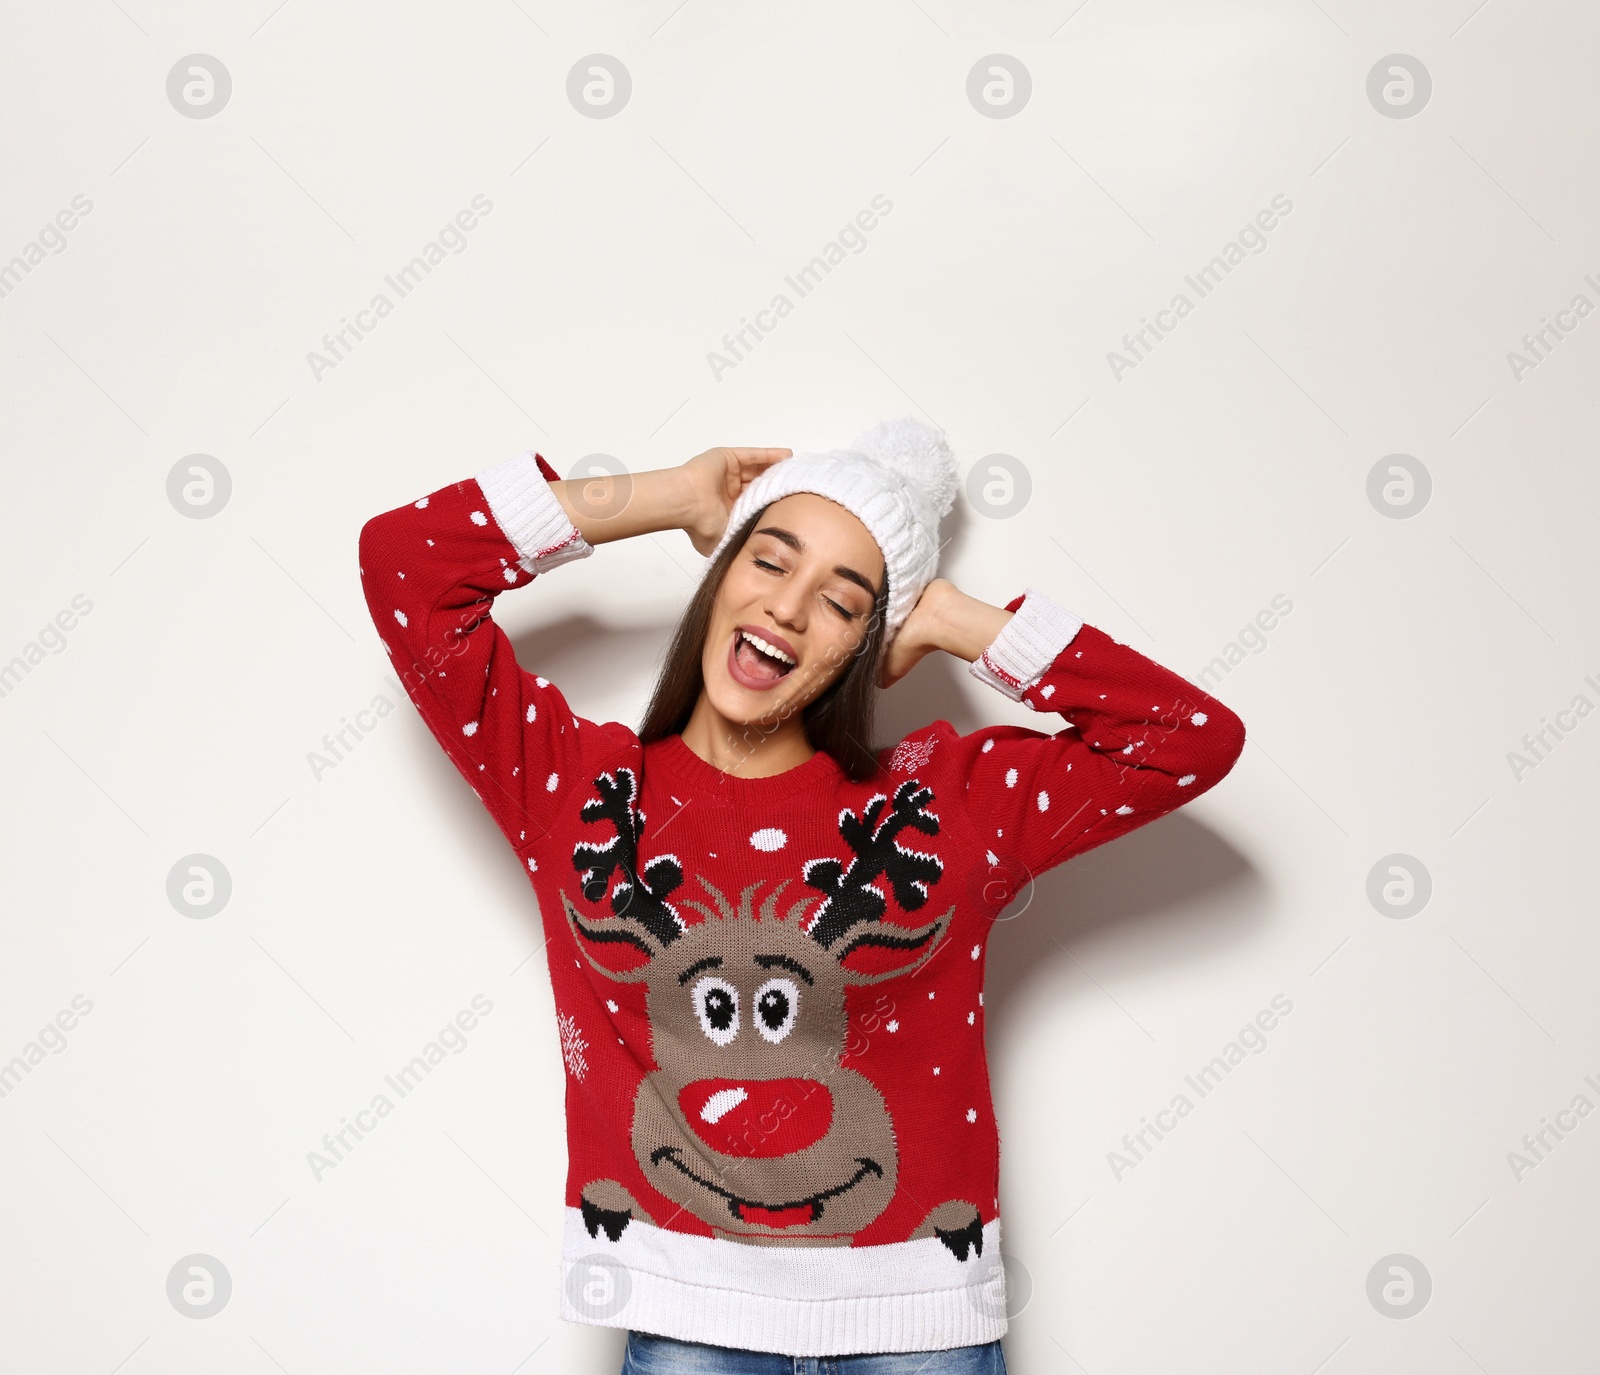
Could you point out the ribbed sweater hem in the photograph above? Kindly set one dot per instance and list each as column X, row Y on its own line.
column 527, row 511
column 1027, row 645
column 817, row 1301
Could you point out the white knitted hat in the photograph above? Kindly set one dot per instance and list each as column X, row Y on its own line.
column 899, row 479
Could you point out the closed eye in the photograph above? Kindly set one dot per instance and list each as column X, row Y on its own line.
column 847, row 614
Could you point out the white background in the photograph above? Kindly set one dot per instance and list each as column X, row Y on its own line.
column 372, row 901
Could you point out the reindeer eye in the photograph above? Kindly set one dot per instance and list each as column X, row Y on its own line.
column 777, row 1005
column 716, row 1004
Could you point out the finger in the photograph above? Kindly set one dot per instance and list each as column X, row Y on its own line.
column 753, row 460
column 749, row 464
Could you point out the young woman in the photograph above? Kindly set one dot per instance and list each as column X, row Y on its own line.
column 766, row 936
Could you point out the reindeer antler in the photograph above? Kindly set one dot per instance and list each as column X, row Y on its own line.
column 637, row 896
column 852, row 895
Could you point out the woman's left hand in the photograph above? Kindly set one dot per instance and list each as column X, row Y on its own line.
column 918, row 637
column 944, row 618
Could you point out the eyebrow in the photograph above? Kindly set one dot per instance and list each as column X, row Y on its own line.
column 710, row 962
column 798, row 545
column 784, row 962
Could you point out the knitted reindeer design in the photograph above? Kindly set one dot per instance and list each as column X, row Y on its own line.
column 750, row 1122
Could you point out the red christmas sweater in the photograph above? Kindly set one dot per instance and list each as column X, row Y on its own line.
column 769, row 991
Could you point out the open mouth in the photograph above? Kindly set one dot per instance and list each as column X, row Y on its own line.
column 798, row 1212
column 755, row 662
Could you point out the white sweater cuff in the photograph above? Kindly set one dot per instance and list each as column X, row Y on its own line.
column 532, row 519
column 1026, row 646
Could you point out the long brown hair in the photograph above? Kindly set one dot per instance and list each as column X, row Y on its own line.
column 838, row 722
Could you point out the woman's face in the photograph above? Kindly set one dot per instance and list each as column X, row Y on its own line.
column 804, row 585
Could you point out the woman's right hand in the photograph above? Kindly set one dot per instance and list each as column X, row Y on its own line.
column 695, row 497
column 714, row 480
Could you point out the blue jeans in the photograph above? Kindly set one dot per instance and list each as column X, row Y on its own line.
column 652, row 1355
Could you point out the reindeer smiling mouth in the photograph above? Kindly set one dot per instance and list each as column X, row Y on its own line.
column 797, row 1213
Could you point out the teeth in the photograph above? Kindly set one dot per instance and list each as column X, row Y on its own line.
column 765, row 648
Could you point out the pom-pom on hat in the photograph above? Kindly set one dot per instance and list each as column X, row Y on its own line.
column 898, row 479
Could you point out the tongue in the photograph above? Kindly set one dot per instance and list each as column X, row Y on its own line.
column 776, row 1217
column 754, row 662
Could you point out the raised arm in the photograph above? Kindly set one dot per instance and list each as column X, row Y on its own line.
column 694, row 497
column 1137, row 740
column 432, row 568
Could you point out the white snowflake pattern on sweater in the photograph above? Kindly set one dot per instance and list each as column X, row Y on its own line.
column 911, row 755
column 572, row 1046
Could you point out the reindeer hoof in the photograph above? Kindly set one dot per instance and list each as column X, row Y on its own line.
column 608, row 1207
column 957, row 1225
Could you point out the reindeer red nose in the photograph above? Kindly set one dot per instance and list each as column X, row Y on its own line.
column 757, row 1117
